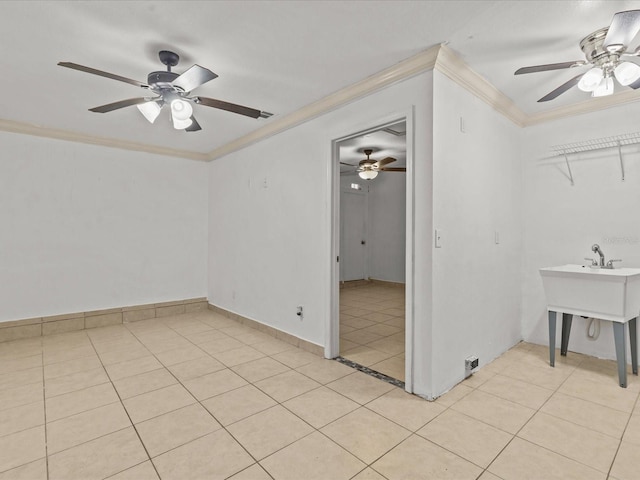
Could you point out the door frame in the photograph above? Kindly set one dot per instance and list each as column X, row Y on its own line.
column 332, row 327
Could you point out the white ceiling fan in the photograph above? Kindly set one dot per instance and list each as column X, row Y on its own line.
column 604, row 50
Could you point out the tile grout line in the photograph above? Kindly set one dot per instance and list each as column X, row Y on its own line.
column 613, row 460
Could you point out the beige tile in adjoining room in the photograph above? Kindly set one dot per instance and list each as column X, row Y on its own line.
column 417, row 458
column 286, row 385
column 23, row 377
column 74, row 365
column 365, row 434
column 123, row 354
column 196, row 368
column 516, row 391
column 273, row 347
column 145, row 382
column 214, row 384
column 206, row 336
column 360, row 387
column 361, row 337
column 157, row 346
column 393, row 367
column 142, row 471
column 320, row 406
column 237, row 404
column 522, row 460
column 98, row 458
column 260, row 369
column 22, row 447
column 609, row 395
column 179, row 355
column 165, row 432
column 472, row 439
column 546, row 376
column 365, row 355
column 387, row 346
column 75, row 381
column 570, row 440
column 625, row 465
column 133, row 367
column 237, row 356
column 18, row 396
column 314, row 457
column 80, row 401
column 410, row 411
column 12, row 365
column 588, row 414
column 219, row 346
column 85, row 426
column 453, row 395
column 632, row 432
column 151, row 404
column 354, row 322
column 267, row 432
column 31, row 471
column 20, row 418
column 368, row 474
column 500, row 413
column 325, row 371
column 193, row 460
column 295, row 357
column 254, row 472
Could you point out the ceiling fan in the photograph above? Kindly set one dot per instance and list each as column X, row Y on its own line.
column 170, row 89
column 368, row 169
column 604, row 50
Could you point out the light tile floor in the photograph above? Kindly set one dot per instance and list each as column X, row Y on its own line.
column 372, row 327
column 198, row 396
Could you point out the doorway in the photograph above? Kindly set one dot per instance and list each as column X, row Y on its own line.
column 372, row 249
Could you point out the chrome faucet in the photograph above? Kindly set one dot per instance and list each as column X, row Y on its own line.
column 596, row 248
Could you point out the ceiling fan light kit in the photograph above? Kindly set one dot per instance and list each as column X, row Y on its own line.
column 603, row 50
column 173, row 89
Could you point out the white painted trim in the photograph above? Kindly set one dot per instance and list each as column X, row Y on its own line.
column 420, row 62
column 29, row 129
column 586, row 106
column 453, row 67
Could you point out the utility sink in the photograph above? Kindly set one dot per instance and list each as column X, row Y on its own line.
column 604, row 293
column 609, row 294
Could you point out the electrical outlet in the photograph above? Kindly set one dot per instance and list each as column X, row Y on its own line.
column 471, row 362
column 300, row 311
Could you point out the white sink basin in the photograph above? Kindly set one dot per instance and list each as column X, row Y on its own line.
column 609, row 294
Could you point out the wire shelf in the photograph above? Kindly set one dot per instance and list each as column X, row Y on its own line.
column 597, row 144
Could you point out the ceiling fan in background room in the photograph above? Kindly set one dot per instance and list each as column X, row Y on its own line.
column 604, row 50
column 171, row 89
column 368, row 168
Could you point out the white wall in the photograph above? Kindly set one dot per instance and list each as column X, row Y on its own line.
column 86, row 227
column 563, row 221
column 387, row 223
column 477, row 191
column 270, row 248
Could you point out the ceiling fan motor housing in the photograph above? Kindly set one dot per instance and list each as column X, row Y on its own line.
column 595, row 52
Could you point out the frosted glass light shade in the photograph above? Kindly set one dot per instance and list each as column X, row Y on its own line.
column 590, row 80
column 368, row 174
column 150, row 110
column 181, row 112
column 626, row 73
column 605, row 88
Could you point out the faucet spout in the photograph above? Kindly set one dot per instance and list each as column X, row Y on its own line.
column 596, row 249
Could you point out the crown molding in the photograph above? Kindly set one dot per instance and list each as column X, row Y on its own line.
column 30, row 129
column 418, row 63
column 453, row 67
column 586, row 106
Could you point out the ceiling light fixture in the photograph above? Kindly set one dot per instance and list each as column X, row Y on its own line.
column 181, row 112
column 150, row 110
column 590, row 80
column 605, row 88
column 368, row 174
column 626, row 73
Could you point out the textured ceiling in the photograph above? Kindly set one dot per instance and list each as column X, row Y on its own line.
column 270, row 55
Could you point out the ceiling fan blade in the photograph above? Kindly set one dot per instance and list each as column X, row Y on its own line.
column 193, row 78
column 347, row 164
column 623, row 29
column 393, row 169
column 550, row 66
column 635, row 85
column 93, row 71
column 229, row 107
column 561, row 89
column 116, row 105
column 194, row 127
column 385, row 161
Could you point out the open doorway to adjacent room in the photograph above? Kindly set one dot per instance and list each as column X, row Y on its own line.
column 372, row 249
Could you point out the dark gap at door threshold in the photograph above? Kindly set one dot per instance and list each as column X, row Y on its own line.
column 373, row 373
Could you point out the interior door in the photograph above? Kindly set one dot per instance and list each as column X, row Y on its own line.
column 353, row 245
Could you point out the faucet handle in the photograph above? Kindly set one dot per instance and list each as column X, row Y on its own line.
column 594, row 263
column 610, row 262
